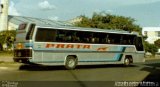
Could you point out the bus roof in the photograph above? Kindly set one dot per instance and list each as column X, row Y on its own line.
column 69, row 27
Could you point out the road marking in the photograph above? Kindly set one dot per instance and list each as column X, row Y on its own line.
column 3, row 68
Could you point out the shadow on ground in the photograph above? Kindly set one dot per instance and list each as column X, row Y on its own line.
column 37, row 67
column 154, row 75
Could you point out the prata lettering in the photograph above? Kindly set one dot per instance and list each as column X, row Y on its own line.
column 67, row 46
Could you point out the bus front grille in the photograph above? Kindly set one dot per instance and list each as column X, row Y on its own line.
column 23, row 53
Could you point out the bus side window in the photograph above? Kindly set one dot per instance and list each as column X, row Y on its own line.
column 86, row 40
column 68, row 38
column 121, row 40
column 60, row 36
column 112, row 41
column 93, row 40
column 75, row 38
column 108, row 40
column 97, row 40
column 124, row 41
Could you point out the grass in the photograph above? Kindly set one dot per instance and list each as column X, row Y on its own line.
column 6, row 56
column 6, row 53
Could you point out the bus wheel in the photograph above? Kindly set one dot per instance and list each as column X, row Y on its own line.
column 71, row 62
column 127, row 62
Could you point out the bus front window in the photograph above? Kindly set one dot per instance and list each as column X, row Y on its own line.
column 30, row 32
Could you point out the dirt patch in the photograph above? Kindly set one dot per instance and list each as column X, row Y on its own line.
column 6, row 59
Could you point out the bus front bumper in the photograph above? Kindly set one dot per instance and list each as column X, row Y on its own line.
column 22, row 55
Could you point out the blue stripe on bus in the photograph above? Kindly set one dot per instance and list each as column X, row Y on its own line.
column 117, row 57
column 28, row 44
column 112, row 50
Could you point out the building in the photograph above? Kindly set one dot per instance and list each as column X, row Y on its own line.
column 152, row 33
column 4, row 4
column 14, row 21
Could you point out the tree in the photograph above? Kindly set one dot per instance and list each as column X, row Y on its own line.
column 157, row 43
column 7, row 37
column 150, row 48
column 2, row 40
column 107, row 21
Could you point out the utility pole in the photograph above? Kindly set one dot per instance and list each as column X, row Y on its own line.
column 4, row 15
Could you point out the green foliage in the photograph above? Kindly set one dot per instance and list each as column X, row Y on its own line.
column 150, row 48
column 7, row 37
column 2, row 38
column 108, row 21
column 157, row 43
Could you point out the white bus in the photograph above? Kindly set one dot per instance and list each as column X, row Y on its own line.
column 72, row 46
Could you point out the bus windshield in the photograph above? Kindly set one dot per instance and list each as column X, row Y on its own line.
column 30, row 32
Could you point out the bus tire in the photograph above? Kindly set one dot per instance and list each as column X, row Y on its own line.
column 71, row 62
column 127, row 62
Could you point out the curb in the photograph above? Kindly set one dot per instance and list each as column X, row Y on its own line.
column 152, row 58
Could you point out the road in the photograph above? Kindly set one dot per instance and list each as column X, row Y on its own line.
column 92, row 75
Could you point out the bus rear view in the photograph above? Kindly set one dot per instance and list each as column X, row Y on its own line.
column 23, row 44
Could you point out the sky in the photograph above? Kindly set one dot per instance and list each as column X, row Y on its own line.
column 145, row 12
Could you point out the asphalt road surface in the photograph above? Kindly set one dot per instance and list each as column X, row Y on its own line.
column 20, row 75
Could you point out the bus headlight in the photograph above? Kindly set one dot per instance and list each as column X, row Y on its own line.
column 19, row 46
